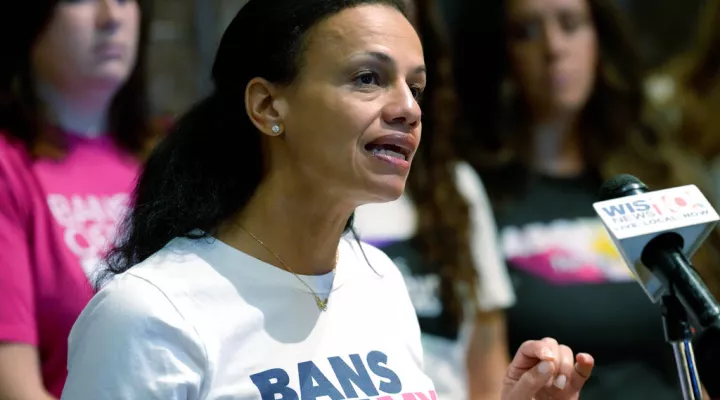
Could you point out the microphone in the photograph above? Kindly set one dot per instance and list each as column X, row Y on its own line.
column 657, row 233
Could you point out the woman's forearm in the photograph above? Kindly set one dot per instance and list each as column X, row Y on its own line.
column 487, row 356
column 20, row 377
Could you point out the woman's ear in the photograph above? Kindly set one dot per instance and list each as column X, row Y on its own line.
column 265, row 107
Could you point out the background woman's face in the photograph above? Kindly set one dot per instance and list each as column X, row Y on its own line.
column 553, row 52
column 88, row 42
column 360, row 79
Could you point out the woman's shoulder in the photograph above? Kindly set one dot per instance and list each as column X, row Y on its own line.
column 132, row 292
column 146, row 287
column 146, row 297
column 129, row 305
column 133, row 322
column 169, row 271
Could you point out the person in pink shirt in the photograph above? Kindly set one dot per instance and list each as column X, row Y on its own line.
column 73, row 130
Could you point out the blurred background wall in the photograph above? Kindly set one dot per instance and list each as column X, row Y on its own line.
column 185, row 34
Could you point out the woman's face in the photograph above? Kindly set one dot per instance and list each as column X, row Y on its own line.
column 88, row 44
column 351, row 120
column 554, row 53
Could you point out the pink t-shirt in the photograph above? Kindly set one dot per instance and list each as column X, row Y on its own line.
column 56, row 218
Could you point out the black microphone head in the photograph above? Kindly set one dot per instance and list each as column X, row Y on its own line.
column 620, row 186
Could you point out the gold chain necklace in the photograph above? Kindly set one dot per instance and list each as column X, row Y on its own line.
column 321, row 304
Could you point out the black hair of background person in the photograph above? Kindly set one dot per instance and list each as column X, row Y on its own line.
column 21, row 23
column 443, row 213
column 191, row 180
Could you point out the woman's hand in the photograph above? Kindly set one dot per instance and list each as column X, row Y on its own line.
column 546, row 370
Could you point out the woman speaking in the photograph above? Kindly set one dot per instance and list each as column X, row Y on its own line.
column 235, row 278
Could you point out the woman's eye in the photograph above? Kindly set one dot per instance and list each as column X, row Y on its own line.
column 367, row 78
column 417, row 93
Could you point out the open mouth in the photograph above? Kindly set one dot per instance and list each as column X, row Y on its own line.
column 396, row 148
column 388, row 150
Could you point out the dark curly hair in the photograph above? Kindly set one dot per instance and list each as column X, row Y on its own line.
column 20, row 115
column 443, row 213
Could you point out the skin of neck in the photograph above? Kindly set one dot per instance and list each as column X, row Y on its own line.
column 300, row 220
column 81, row 111
column 555, row 146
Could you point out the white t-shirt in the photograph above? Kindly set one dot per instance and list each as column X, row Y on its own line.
column 202, row 320
column 391, row 226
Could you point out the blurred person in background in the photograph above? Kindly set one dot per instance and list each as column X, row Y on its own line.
column 442, row 236
column 555, row 108
column 73, row 128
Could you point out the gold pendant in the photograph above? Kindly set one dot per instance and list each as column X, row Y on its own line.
column 322, row 304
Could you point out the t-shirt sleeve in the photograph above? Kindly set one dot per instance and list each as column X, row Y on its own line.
column 494, row 289
column 17, row 296
column 131, row 342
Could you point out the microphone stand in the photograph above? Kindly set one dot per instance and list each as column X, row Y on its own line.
column 678, row 334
